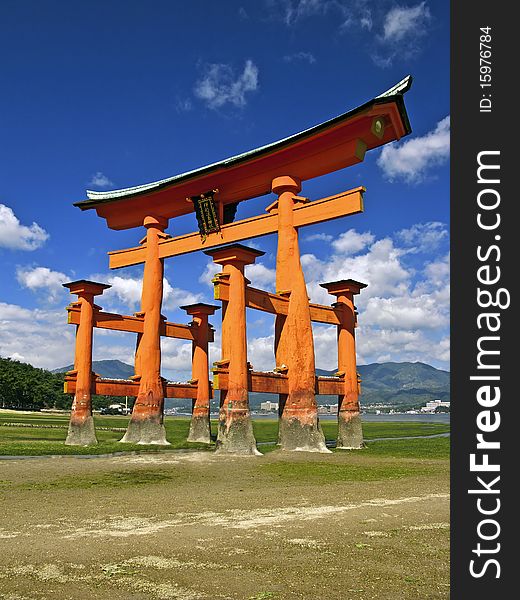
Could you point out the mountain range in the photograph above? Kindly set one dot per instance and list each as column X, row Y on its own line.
column 403, row 384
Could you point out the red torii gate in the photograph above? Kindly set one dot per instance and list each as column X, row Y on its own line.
column 214, row 192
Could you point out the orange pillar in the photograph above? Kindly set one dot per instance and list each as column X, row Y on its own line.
column 81, row 427
column 350, row 433
column 200, row 428
column 146, row 424
column 299, row 427
column 235, row 429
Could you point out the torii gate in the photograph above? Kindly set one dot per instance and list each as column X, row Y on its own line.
column 213, row 192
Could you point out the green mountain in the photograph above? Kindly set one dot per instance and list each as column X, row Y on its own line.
column 113, row 369
column 403, row 384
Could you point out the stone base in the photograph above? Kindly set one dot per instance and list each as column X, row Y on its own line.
column 81, row 433
column 295, row 436
column 145, row 431
column 236, row 437
column 200, row 430
column 350, row 433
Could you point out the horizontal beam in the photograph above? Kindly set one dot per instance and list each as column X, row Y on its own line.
column 117, row 387
column 276, row 383
column 277, row 304
column 318, row 211
column 132, row 324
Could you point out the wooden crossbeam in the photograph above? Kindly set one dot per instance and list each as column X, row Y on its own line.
column 277, row 383
column 118, row 387
column 318, row 211
column 132, row 324
column 275, row 303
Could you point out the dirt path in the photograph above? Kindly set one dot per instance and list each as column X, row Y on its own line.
column 197, row 526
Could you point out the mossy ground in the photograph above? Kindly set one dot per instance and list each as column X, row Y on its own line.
column 191, row 525
column 46, row 434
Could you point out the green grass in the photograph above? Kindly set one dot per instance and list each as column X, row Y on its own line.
column 436, row 448
column 113, row 479
column 41, row 439
column 322, row 472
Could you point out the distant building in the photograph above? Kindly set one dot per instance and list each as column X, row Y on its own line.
column 269, row 406
column 432, row 405
column 326, row 409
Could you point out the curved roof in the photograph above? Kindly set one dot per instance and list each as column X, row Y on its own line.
column 394, row 94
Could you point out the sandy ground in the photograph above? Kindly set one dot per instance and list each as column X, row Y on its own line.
column 193, row 526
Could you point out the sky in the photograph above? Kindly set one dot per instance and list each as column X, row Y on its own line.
column 105, row 95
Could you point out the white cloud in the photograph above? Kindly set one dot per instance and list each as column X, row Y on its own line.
column 300, row 56
column 210, row 270
column 42, row 278
column 380, row 267
column 382, row 345
column 402, row 29
column 423, row 237
column 438, row 272
column 260, row 352
column 261, row 276
column 404, row 311
column 352, row 242
column 403, row 21
column 318, row 237
column 127, row 291
column 419, row 312
column 15, row 236
column 220, row 85
column 176, row 357
column 175, row 297
column 99, row 180
column 39, row 337
column 412, row 159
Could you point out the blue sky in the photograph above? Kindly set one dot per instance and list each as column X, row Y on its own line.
column 103, row 95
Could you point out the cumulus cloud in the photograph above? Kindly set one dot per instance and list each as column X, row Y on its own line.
column 221, row 85
column 15, row 236
column 260, row 352
column 408, row 312
column 127, row 291
column 42, row 279
column 210, row 270
column 352, row 242
column 382, row 345
column 437, row 272
column 261, row 276
column 404, row 311
column 176, row 357
column 39, row 337
column 412, row 160
column 101, row 181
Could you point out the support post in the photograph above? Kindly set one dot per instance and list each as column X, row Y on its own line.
column 350, row 433
column 81, row 426
column 235, row 429
column 146, row 423
column 299, row 427
column 200, row 427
